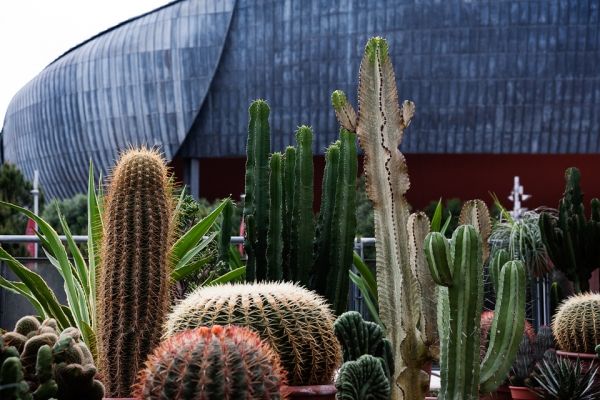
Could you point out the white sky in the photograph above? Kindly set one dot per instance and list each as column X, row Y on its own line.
column 34, row 32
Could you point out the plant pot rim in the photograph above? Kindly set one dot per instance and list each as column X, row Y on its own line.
column 321, row 390
column 581, row 356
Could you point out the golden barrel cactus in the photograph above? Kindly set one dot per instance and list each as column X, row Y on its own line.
column 576, row 324
column 295, row 322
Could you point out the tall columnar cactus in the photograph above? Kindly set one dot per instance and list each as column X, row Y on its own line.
column 403, row 282
column 457, row 265
column 225, row 232
column 275, row 238
column 227, row 363
column 295, row 322
column 576, row 324
column 133, row 290
column 289, row 209
column 303, row 219
column 256, row 202
column 571, row 239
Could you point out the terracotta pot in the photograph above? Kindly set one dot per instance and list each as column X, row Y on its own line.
column 522, row 393
column 315, row 392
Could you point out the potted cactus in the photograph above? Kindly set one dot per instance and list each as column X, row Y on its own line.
column 36, row 361
column 576, row 327
column 295, row 322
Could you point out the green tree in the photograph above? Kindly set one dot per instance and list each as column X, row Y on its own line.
column 74, row 209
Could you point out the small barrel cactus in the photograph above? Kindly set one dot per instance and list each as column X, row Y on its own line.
column 133, row 282
column 211, row 363
column 576, row 325
column 296, row 322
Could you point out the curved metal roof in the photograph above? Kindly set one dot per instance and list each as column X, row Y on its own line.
column 487, row 77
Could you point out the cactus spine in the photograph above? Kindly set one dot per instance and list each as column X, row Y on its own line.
column 460, row 262
column 275, row 239
column 576, row 324
column 403, row 281
column 295, row 322
column 256, row 202
column 227, row 363
column 571, row 239
column 133, row 295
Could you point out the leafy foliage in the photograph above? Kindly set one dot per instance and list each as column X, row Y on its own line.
column 74, row 211
column 564, row 379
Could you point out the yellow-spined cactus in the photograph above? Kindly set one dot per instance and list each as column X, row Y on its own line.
column 576, row 325
column 297, row 323
column 133, row 287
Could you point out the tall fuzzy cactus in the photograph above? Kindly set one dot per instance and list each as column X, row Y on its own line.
column 226, row 363
column 133, row 291
column 571, row 239
column 403, row 281
column 457, row 266
column 296, row 323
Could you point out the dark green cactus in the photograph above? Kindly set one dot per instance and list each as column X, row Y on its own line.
column 459, row 262
column 359, row 337
column 499, row 258
column 571, row 239
column 275, row 238
column 303, row 219
column 226, row 363
column 289, row 209
column 325, row 220
column 77, row 382
column 556, row 297
column 225, row 232
column 363, row 379
column 256, row 202
column 134, row 278
column 12, row 380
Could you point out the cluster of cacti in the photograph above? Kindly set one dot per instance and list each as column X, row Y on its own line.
column 39, row 363
column 368, row 359
column 576, row 324
column 280, row 237
column 403, row 282
column 227, row 363
column 133, row 290
column 571, row 239
column 295, row 322
column 457, row 266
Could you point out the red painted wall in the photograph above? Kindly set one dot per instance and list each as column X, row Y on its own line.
column 432, row 176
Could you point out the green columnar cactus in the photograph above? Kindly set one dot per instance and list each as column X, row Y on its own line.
column 363, row 379
column 403, row 281
column 275, row 238
column 304, row 227
column 12, row 382
column 457, row 265
column 297, row 323
column 256, row 202
column 226, row 231
column 571, row 239
column 289, row 209
column 134, row 280
column 325, row 219
column 43, row 370
column 227, row 363
column 576, row 324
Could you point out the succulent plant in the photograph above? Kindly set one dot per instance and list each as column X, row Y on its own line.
column 457, row 266
column 571, row 239
column 576, row 325
column 133, row 290
column 364, row 378
column 211, row 363
column 403, row 282
column 295, row 322
column 561, row 378
column 12, row 382
column 532, row 350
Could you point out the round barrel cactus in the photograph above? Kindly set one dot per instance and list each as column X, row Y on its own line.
column 211, row 363
column 576, row 325
column 297, row 323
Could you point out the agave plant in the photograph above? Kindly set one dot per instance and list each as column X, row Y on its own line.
column 80, row 275
column 565, row 379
